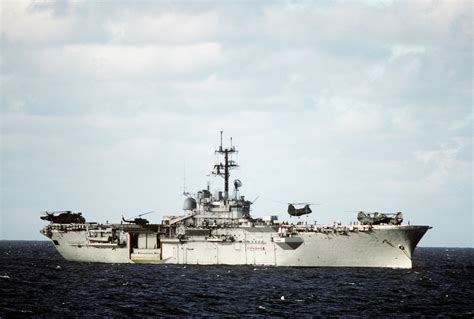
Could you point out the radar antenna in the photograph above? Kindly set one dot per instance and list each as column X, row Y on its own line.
column 185, row 193
column 222, row 169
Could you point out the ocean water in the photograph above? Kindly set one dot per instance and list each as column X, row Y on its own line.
column 36, row 281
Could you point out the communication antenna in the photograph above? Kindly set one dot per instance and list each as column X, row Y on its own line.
column 220, row 148
column 222, row 169
column 185, row 193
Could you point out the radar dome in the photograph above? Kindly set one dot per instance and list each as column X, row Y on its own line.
column 237, row 183
column 189, row 204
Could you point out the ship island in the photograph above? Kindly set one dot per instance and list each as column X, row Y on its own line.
column 218, row 229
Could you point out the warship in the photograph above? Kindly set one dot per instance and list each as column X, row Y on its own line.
column 218, row 229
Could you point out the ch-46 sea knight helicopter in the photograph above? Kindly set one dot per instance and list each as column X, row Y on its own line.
column 305, row 210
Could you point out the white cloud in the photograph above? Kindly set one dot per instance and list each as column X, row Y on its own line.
column 165, row 28
column 22, row 24
column 116, row 61
column 441, row 169
column 354, row 120
column 401, row 50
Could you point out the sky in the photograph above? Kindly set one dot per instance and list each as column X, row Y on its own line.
column 112, row 108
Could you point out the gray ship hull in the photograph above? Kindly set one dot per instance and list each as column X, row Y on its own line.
column 326, row 246
column 76, row 245
column 389, row 246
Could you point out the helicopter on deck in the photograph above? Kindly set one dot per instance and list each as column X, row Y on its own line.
column 63, row 217
column 138, row 219
column 377, row 218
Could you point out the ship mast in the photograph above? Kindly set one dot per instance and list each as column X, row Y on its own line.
column 227, row 166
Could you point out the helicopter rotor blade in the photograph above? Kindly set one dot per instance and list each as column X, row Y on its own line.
column 150, row 212
column 143, row 214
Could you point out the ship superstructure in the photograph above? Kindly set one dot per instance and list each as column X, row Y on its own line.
column 219, row 229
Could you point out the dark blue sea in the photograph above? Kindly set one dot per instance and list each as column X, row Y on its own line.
column 35, row 281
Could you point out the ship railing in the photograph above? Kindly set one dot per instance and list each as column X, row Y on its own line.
column 324, row 228
column 67, row 227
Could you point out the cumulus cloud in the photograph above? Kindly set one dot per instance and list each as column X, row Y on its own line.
column 21, row 23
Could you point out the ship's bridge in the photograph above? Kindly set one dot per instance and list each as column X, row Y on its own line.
column 216, row 210
column 221, row 208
